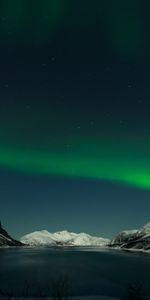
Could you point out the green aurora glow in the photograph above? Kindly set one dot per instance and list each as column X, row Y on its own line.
column 36, row 21
column 104, row 152
column 134, row 173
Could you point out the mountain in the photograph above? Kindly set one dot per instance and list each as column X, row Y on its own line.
column 62, row 238
column 137, row 239
column 6, row 239
column 133, row 239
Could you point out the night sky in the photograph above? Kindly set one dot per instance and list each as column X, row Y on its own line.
column 74, row 115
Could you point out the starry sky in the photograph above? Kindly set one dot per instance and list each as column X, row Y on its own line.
column 74, row 115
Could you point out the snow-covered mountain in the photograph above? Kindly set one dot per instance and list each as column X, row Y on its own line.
column 133, row 239
column 62, row 238
column 124, row 237
column 127, row 239
column 6, row 239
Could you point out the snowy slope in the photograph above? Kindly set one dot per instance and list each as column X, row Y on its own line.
column 63, row 238
column 38, row 238
column 134, row 239
column 124, row 236
column 87, row 240
column 145, row 230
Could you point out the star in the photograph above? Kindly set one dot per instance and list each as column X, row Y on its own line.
column 121, row 122
column 108, row 115
column 140, row 101
column 6, row 85
column 129, row 86
column 78, row 127
column 28, row 106
column 68, row 147
column 53, row 58
column 107, row 69
column 91, row 123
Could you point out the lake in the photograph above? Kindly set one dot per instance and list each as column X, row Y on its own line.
column 85, row 271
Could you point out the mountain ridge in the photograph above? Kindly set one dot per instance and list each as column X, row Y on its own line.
column 64, row 238
column 136, row 239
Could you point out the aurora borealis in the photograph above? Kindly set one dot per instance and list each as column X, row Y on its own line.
column 74, row 90
column 135, row 173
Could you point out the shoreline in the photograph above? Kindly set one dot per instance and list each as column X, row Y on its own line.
column 80, row 248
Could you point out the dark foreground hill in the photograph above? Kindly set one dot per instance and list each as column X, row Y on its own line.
column 6, row 239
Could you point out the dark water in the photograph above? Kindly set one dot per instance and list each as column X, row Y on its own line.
column 89, row 272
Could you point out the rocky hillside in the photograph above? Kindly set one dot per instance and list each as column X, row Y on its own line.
column 133, row 239
column 6, row 239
